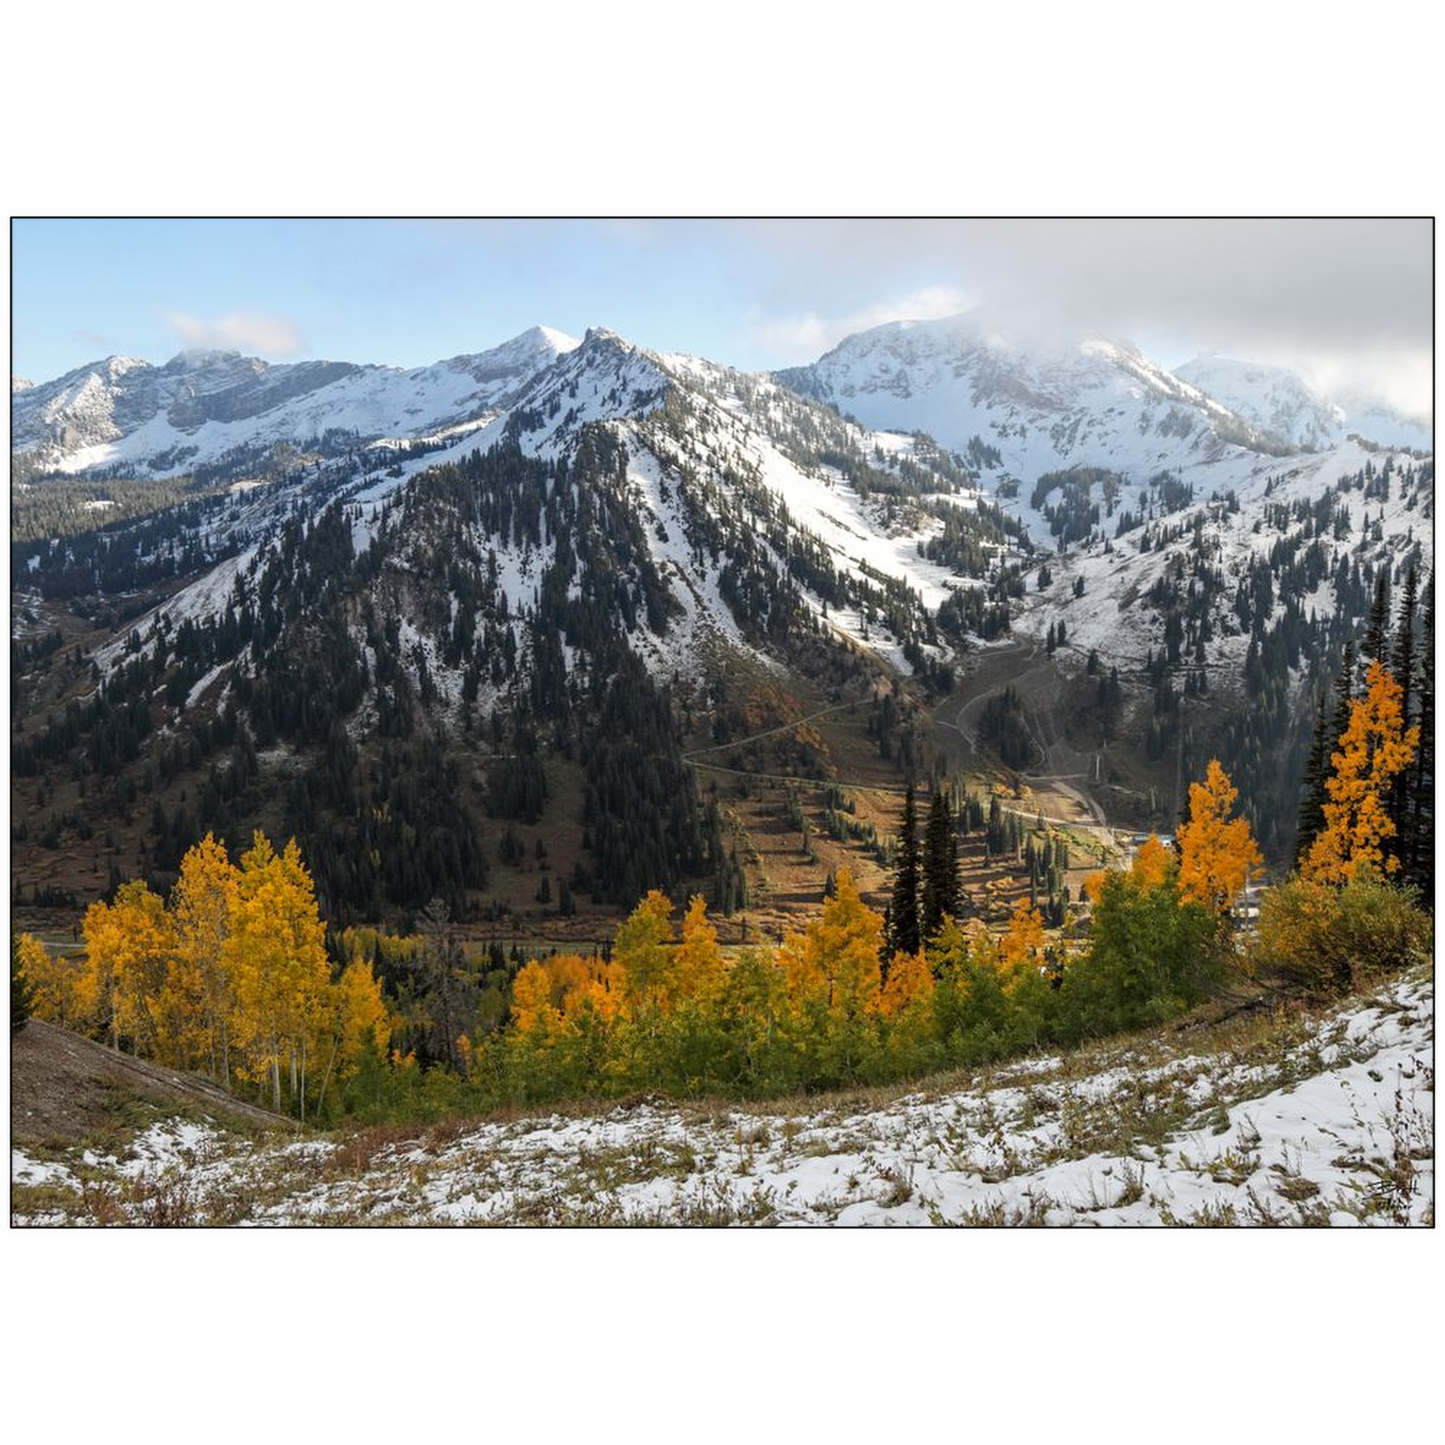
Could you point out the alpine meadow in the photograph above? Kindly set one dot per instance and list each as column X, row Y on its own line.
column 953, row 766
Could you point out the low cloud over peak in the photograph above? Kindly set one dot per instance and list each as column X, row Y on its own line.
column 240, row 331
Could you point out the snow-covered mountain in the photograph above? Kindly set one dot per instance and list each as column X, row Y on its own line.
column 1279, row 402
column 201, row 407
column 488, row 541
column 751, row 503
column 1025, row 409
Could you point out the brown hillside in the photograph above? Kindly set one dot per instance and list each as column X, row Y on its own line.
column 64, row 1087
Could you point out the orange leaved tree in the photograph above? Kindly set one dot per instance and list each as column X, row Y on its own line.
column 1373, row 749
column 1217, row 853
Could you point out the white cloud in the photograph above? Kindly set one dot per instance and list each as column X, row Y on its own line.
column 240, row 331
column 806, row 335
column 1346, row 301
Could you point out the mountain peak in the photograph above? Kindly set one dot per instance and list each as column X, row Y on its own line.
column 199, row 358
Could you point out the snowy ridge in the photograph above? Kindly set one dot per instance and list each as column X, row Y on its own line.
column 200, row 406
column 1277, row 401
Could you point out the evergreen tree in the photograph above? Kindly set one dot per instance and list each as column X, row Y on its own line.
column 1402, row 664
column 940, row 866
column 903, row 916
column 1344, row 695
column 1317, row 769
column 1420, row 862
column 1377, row 630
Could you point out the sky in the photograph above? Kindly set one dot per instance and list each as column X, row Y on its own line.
column 1348, row 304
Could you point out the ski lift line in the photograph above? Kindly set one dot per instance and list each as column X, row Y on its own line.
column 773, row 732
column 888, row 790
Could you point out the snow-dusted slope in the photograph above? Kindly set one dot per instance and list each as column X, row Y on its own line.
column 200, row 406
column 1277, row 401
column 723, row 470
column 1331, row 1125
column 1234, row 534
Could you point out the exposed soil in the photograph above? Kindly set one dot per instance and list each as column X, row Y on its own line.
column 64, row 1087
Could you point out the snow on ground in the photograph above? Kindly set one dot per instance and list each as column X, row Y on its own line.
column 1329, row 1121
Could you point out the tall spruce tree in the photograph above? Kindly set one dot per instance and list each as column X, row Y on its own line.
column 1377, row 630
column 1402, row 664
column 1317, row 772
column 904, row 935
column 940, row 865
column 1420, row 861
column 1344, row 696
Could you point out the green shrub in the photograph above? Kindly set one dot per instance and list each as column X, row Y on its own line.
column 1150, row 956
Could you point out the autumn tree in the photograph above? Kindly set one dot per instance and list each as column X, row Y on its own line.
column 1217, row 854
column 841, row 950
column 1375, row 746
column 1022, row 948
column 697, row 964
column 128, row 947
column 57, row 982
column 203, row 902
column 909, row 985
column 21, row 994
column 644, row 956
column 277, row 955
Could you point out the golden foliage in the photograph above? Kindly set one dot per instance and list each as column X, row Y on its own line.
column 1021, row 949
column 1151, row 864
column 1373, row 749
column 1217, row 853
column 909, row 984
column 57, row 983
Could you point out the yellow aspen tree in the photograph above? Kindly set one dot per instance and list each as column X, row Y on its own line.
column 698, row 961
column 909, row 984
column 643, row 953
column 58, row 991
column 1021, row 950
column 600, row 991
column 1217, row 853
column 1374, row 747
column 277, row 955
column 533, row 1013
column 802, row 971
column 843, row 946
column 1151, row 863
column 360, row 1019
column 128, row 948
column 202, row 904
column 569, row 975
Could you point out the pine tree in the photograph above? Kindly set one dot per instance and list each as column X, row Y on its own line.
column 1312, row 806
column 903, row 915
column 1377, row 630
column 1402, row 664
column 940, row 866
column 1421, row 862
column 1344, row 697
